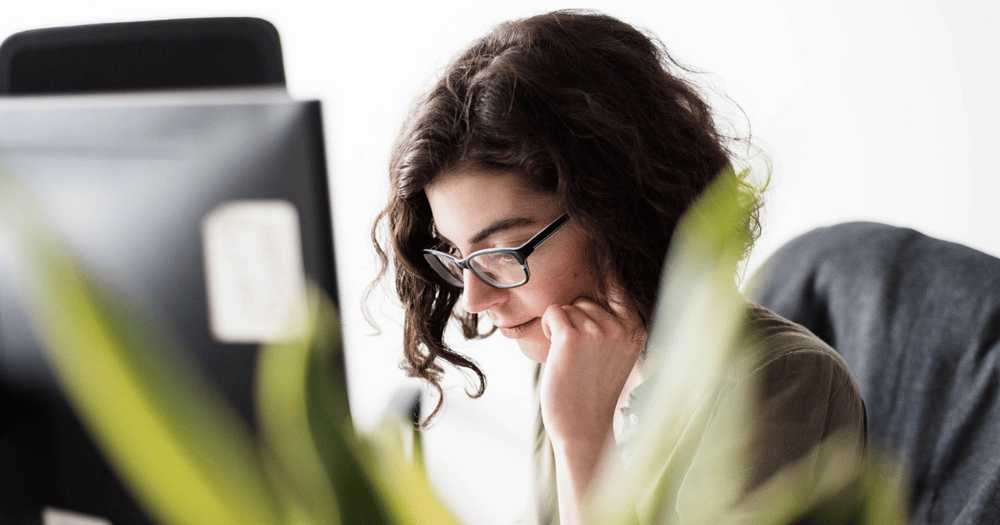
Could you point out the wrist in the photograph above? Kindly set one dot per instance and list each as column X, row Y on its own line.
column 580, row 460
column 578, row 464
column 586, row 445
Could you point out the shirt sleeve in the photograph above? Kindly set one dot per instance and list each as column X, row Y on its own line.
column 806, row 397
column 799, row 396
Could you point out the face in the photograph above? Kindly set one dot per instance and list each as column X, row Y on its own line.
column 476, row 209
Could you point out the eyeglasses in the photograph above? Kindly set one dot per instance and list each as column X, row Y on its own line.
column 497, row 267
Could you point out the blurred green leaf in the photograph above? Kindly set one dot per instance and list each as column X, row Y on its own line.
column 698, row 319
column 403, row 484
column 295, row 465
column 370, row 475
column 183, row 450
column 302, row 407
column 191, row 460
column 331, row 424
column 696, row 348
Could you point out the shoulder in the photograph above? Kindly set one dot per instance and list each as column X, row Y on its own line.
column 785, row 352
column 806, row 392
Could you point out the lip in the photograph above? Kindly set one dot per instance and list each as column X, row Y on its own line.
column 516, row 331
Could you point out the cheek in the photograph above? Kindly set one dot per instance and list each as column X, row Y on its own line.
column 560, row 274
column 573, row 281
column 560, row 286
column 573, row 277
column 563, row 289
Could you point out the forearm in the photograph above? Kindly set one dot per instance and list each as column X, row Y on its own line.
column 593, row 353
column 578, row 465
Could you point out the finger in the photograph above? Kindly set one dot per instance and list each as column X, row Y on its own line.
column 598, row 313
column 618, row 312
column 555, row 319
column 590, row 307
column 592, row 320
column 588, row 317
column 618, row 302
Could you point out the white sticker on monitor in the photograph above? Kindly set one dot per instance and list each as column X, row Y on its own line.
column 254, row 271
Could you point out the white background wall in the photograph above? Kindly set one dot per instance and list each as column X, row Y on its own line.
column 870, row 110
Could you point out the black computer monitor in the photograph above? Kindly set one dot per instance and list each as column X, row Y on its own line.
column 154, row 193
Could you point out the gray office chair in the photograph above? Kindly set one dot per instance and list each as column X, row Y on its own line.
column 163, row 54
column 917, row 320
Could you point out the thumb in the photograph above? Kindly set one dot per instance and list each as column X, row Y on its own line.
column 553, row 318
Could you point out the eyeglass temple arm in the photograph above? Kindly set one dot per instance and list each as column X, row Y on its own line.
column 542, row 236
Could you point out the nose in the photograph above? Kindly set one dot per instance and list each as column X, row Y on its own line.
column 478, row 296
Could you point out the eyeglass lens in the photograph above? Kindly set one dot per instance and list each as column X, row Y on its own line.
column 497, row 268
column 447, row 269
column 500, row 268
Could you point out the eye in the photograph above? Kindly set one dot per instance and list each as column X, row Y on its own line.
column 507, row 258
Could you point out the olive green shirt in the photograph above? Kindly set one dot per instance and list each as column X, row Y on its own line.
column 806, row 394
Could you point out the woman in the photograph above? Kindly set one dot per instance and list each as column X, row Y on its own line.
column 538, row 184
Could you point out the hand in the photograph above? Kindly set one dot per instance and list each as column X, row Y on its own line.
column 592, row 351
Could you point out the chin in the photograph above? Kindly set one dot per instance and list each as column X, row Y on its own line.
column 533, row 349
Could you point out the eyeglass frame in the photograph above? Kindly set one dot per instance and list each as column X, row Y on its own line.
column 520, row 253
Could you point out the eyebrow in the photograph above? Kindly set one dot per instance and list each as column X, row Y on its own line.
column 493, row 229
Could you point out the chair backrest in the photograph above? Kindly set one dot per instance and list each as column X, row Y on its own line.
column 917, row 320
column 163, row 54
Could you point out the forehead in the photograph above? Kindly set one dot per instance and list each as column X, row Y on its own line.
column 466, row 200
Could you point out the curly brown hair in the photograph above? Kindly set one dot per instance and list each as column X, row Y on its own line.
column 586, row 108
